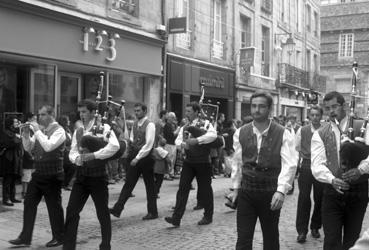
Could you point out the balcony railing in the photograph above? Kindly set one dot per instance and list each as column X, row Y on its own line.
column 288, row 74
column 218, row 49
column 183, row 40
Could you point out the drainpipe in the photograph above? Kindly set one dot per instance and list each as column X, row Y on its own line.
column 164, row 58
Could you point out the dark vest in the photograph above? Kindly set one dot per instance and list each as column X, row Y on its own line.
column 49, row 163
column 139, row 138
column 260, row 171
column 94, row 168
column 305, row 144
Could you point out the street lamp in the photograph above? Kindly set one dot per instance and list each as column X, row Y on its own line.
column 289, row 44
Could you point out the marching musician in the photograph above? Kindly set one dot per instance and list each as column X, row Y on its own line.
column 48, row 150
column 196, row 164
column 91, row 176
column 264, row 173
column 344, row 203
column 139, row 155
column 306, row 181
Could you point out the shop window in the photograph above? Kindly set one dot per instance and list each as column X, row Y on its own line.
column 42, row 87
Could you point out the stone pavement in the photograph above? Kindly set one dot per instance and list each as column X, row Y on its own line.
column 131, row 233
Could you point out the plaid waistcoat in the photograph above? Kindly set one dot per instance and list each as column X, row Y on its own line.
column 260, row 171
column 94, row 168
column 49, row 163
column 306, row 136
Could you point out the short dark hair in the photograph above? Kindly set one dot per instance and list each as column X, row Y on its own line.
column 334, row 94
column 163, row 113
column 317, row 107
column 9, row 121
column 143, row 106
column 195, row 106
column 264, row 94
column 88, row 103
column 63, row 121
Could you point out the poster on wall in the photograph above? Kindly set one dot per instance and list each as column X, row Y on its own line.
column 247, row 57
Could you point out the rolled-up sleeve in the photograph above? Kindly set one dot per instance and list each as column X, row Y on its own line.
column 209, row 136
column 28, row 143
column 51, row 143
column 73, row 153
column 289, row 164
column 319, row 160
column 236, row 176
column 111, row 148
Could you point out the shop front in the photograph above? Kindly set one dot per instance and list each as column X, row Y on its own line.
column 52, row 58
column 185, row 78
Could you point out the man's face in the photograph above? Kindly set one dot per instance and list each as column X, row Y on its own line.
column 334, row 110
column 85, row 115
column 315, row 116
column 43, row 117
column 171, row 119
column 259, row 109
column 139, row 113
column 222, row 118
column 190, row 114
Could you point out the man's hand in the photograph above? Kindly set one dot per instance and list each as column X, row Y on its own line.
column 340, row 185
column 351, row 175
column 277, row 201
column 79, row 161
column 87, row 157
column 192, row 141
column 134, row 162
column 35, row 126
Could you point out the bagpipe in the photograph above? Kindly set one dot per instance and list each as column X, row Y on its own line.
column 209, row 113
column 353, row 148
column 96, row 140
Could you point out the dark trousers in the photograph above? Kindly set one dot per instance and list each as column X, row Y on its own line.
column 145, row 167
column 69, row 173
column 48, row 187
column 83, row 187
column 251, row 206
column 158, row 181
column 9, row 187
column 342, row 214
column 202, row 172
column 306, row 181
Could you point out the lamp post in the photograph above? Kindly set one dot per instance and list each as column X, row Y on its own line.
column 289, row 44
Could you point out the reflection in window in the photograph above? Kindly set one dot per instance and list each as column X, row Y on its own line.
column 43, row 85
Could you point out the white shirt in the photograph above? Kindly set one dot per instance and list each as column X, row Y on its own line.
column 288, row 168
column 149, row 138
column 319, row 158
column 208, row 137
column 48, row 144
column 109, row 150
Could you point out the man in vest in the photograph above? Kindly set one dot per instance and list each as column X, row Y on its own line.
column 142, row 141
column 91, row 177
column 344, row 203
column 48, row 151
column 293, row 127
column 263, row 152
column 306, row 180
column 196, row 164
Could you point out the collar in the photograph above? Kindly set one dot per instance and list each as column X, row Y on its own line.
column 50, row 125
column 314, row 129
column 141, row 121
column 256, row 130
column 89, row 125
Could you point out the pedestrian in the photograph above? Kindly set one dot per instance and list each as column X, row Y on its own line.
column 292, row 126
column 139, row 156
column 196, row 164
column 91, row 177
column 344, row 201
column 161, row 157
column 266, row 176
column 170, row 133
column 48, row 147
column 10, row 159
column 306, row 181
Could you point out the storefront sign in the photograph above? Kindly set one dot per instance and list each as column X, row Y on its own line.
column 247, row 56
column 177, row 25
column 213, row 82
column 100, row 42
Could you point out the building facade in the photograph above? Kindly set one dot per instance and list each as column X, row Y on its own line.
column 345, row 39
column 202, row 56
column 52, row 52
column 278, row 48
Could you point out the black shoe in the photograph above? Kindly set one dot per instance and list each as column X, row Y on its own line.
column 198, row 207
column 172, row 221
column 54, row 243
column 301, row 238
column 16, row 201
column 150, row 216
column 19, row 242
column 315, row 233
column 205, row 221
column 114, row 213
column 8, row 203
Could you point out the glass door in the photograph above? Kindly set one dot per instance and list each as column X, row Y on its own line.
column 69, row 89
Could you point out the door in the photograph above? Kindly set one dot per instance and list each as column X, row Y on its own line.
column 69, row 89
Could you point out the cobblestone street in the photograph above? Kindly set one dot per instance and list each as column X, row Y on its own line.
column 130, row 232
